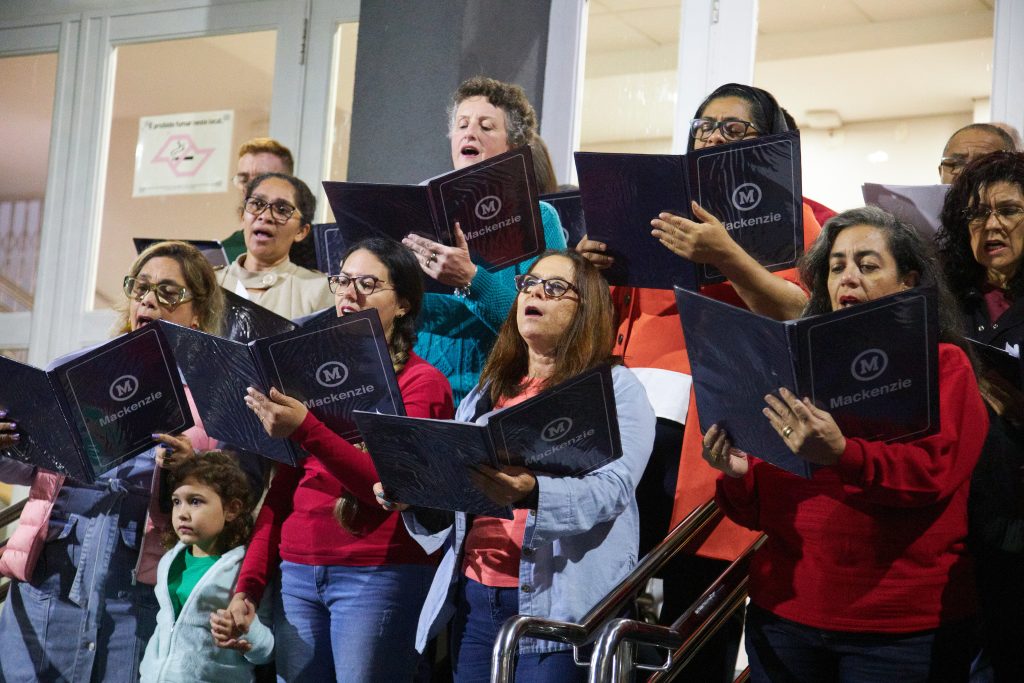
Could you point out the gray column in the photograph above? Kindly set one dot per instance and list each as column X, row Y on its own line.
column 411, row 57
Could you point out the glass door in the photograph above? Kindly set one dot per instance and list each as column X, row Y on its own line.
column 29, row 72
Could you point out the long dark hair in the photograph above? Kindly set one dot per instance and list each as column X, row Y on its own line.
column 765, row 112
column 220, row 471
column 404, row 275
column 587, row 343
column 911, row 252
column 963, row 271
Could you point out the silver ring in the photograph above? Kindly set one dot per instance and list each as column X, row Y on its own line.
column 432, row 257
column 787, row 430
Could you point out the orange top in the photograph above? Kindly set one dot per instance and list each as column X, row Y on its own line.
column 493, row 546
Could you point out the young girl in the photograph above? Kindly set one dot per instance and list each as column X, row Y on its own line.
column 211, row 512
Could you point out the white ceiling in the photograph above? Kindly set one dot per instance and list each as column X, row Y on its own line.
column 865, row 59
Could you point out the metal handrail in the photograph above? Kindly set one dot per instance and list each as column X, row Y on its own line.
column 578, row 635
column 686, row 636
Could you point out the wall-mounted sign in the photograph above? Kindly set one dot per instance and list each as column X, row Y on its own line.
column 186, row 153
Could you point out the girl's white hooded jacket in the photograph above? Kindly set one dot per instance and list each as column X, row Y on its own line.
column 183, row 649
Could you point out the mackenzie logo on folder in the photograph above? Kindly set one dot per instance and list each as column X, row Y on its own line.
column 752, row 186
column 494, row 202
column 565, row 431
column 332, row 369
column 95, row 410
column 873, row 366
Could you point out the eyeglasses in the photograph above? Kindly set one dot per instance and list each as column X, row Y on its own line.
column 1008, row 215
column 279, row 211
column 167, row 294
column 554, row 288
column 731, row 129
column 364, row 284
column 954, row 164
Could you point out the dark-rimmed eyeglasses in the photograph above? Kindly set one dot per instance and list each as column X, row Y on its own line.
column 364, row 284
column 279, row 211
column 1008, row 215
column 731, row 129
column 167, row 294
column 954, row 164
column 554, row 288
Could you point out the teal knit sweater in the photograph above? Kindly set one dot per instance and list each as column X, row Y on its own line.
column 455, row 335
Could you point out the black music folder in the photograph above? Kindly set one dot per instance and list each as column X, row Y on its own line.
column 569, row 206
column 1003, row 362
column 567, row 430
column 918, row 205
column 494, row 202
column 245, row 321
column 332, row 369
column 752, row 186
column 330, row 245
column 873, row 366
column 94, row 410
column 213, row 250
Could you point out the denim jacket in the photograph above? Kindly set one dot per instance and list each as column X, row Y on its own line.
column 578, row 544
column 82, row 595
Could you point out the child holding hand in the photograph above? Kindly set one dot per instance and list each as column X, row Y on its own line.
column 211, row 512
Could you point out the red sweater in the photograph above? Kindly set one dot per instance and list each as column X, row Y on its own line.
column 876, row 543
column 297, row 520
column 650, row 336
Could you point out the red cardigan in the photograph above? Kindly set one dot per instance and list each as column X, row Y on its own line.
column 297, row 520
column 876, row 543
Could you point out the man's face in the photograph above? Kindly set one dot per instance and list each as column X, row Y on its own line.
column 252, row 165
column 965, row 147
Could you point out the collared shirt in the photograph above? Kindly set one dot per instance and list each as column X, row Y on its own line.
column 289, row 290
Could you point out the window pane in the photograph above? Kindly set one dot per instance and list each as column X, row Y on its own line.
column 629, row 87
column 876, row 87
column 340, row 127
column 27, row 105
column 213, row 75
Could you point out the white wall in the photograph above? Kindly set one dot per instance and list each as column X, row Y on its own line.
column 905, row 151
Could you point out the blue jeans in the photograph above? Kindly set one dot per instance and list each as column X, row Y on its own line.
column 81, row 618
column 480, row 612
column 349, row 623
column 783, row 651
